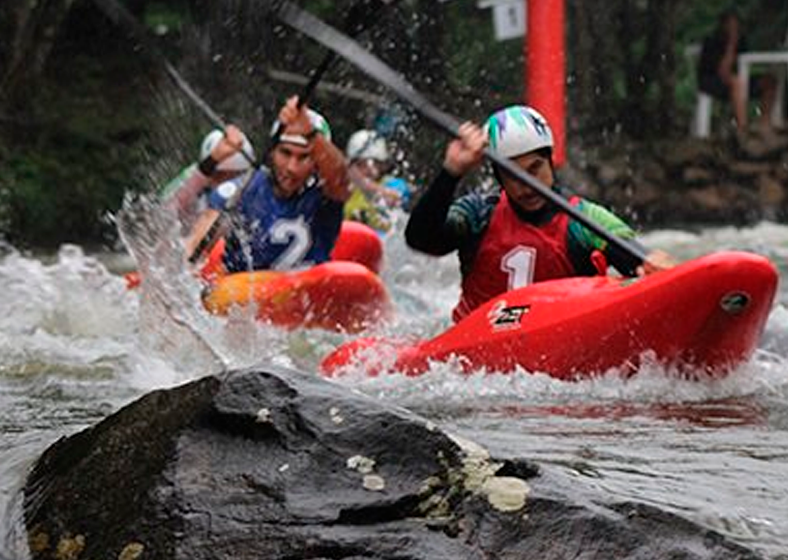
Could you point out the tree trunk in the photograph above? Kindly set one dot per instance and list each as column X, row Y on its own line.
column 595, row 61
column 661, row 61
column 631, row 36
column 37, row 25
column 581, row 46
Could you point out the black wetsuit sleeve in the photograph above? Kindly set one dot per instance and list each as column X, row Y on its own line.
column 429, row 229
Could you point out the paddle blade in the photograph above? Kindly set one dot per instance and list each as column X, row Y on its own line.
column 359, row 17
column 374, row 67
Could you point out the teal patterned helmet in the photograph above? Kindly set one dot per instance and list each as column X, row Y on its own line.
column 320, row 123
column 518, row 130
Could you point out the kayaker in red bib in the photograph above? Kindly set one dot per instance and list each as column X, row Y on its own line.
column 514, row 237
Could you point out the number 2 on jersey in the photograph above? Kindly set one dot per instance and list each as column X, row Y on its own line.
column 296, row 235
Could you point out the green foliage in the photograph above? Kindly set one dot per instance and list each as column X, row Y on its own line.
column 163, row 18
column 70, row 165
column 476, row 61
column 60, row 192
column 95, row 128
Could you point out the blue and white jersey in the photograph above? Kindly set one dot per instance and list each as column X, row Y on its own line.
column 274, row 233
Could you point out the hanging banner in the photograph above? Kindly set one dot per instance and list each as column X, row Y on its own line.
column 508, row 17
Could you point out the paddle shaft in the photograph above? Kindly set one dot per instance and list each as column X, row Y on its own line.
column 374, row 67
column 125, row 19
column 355, row 22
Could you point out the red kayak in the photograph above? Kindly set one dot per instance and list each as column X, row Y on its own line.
column 345, row 294
column 357, row 242
column 337, row 296
column 706, row 315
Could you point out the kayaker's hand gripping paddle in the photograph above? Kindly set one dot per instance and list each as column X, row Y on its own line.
column 357, row 19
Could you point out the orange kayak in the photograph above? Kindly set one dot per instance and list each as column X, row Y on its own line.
column 345, row 294
column 337, row 295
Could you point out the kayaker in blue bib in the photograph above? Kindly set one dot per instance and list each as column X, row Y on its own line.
column 513, row 237
column 288, row 215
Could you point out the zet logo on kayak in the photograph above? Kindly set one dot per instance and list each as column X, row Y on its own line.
column 505, row 317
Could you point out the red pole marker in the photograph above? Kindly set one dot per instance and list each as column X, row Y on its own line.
column 545, row 56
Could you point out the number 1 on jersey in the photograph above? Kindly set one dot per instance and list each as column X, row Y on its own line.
column 519, row 264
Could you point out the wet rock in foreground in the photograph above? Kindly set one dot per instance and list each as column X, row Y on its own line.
column 281, row 465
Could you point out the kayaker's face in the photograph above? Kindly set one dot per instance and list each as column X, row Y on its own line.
column 369, row 168
column 522, row 195
column 292, row 166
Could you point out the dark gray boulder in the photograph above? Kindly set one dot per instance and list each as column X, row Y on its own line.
column 278, row 464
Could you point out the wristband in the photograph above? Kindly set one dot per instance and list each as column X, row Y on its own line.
column 208, row 166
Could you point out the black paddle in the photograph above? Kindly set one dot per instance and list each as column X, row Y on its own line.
column 341, row 44
column 357, row 20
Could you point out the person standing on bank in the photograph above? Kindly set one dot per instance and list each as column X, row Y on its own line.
column 717, row 73
column 514, row 237
column 289, row 215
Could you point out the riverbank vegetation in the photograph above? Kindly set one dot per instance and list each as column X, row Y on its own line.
column 86, row 115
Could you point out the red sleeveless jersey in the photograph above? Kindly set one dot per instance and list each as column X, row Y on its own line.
column 513, row 254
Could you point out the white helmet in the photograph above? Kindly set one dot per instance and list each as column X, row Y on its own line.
column 319, row 124
column 237, row 161
column 367, row 144
column 518, row 130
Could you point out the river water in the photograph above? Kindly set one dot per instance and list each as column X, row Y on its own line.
column 75, row 346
